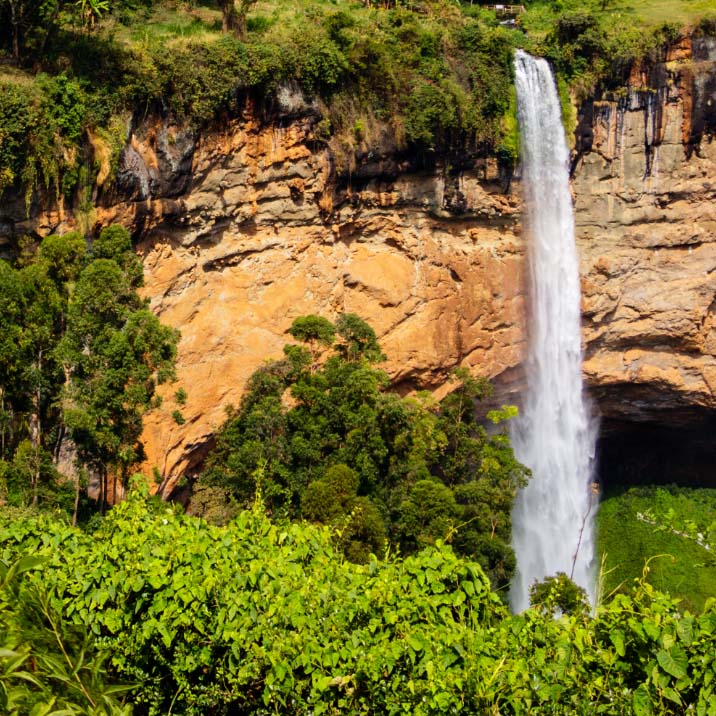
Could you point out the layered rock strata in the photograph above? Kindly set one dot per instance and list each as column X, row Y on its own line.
column 244, row 229
column 644, row 182
column 263, row 232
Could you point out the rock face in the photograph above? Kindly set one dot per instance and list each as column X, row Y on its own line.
column 263, row 232
column 645, row 198
column 243, row 230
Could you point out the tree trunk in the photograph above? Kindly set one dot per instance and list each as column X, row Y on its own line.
column 102, row 490
column 15, row 22
column 35, row 463
column 36, row 432
column 77, row 499
column 46, row 38
column 240, row 30
column 229, row 17
column 2, row 423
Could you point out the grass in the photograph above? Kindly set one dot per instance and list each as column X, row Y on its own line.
column 617, row 14
column 13, row 75
column 170, row 25
column 657, row 12
column 173, row 24
column 678, row 565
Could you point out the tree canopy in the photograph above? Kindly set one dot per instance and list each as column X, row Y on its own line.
column 330, row 441
column 80, row 358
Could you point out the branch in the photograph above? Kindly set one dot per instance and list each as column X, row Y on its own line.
column 698, row 537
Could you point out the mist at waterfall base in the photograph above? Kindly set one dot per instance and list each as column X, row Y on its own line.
column 555, row 435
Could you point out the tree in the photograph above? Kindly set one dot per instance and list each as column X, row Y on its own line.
column 115, row 352
column 335, row 445
column 314, row 330
column 233, row 16
column 79, row 351
column 11, row 358
column 429, row 513
column 27, row 26
column 558, row 594
column 333, row 500
column 359, row 339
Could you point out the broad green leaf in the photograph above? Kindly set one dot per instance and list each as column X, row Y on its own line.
column 673, row 662
column 617, row 638
column 685, row 630
column 641, row 701
column 672, row 695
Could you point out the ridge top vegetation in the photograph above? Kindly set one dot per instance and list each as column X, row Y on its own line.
column 435, row 77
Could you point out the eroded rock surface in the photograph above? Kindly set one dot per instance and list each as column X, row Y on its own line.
column 264, row 233
column 645, row 199
column 243, row 230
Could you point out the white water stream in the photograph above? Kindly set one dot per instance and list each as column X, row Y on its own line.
column 555, row 435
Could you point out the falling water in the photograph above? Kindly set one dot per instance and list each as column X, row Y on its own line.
column 555, row 434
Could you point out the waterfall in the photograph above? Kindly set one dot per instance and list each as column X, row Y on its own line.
column 555, row 435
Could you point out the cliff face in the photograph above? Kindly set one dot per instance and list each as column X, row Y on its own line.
column 645, row 200
column 244, row 230
column 261, row 231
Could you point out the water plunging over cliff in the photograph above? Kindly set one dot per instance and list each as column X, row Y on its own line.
column 555, row 434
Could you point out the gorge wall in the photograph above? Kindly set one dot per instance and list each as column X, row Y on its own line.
column 244, row 229
column 644, row 181
column 266, row 232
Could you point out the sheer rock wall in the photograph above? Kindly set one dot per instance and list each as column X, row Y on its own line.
column 244, row 229
column 262, row 231
column 644, row 183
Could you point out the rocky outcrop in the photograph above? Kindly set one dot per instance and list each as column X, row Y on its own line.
column 644, row 182
column 243, row 229
column 264, row 231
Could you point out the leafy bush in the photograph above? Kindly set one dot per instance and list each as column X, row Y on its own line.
column 258, row 618
column 46, row 665
column 348, row 452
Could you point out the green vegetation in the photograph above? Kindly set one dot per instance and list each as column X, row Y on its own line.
column 320, row 435
column 383, row 605
column 47, row 666
column 80, row 357
column 434, row 78
column 671, row 518
column 263, row 618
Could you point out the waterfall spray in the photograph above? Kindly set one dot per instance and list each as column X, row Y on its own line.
column 555, row 435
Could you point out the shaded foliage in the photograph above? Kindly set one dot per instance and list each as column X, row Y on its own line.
column 48, row 666
column 80, row 359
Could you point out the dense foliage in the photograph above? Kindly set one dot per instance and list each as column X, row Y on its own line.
column 260, row 618
column 80, row 356
column 432, row 77
column 321, row 436
column 48, row 667
column 432, row 80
